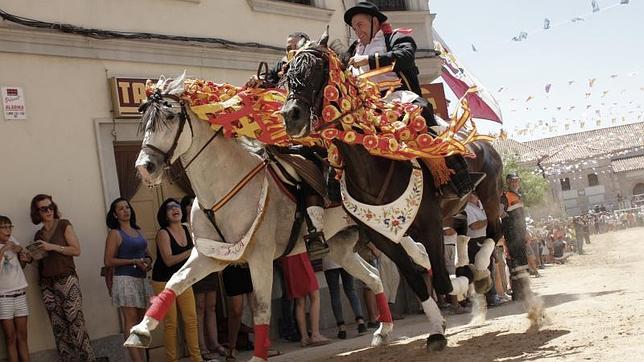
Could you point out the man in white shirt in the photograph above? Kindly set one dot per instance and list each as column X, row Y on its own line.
column 379, row 46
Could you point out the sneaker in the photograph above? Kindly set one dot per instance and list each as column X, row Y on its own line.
column 362, row 328
column 373, row 325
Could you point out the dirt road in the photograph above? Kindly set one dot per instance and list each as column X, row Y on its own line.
column 595, row 307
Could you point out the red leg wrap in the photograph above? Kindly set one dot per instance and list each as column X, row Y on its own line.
column 160, row 304
column 383, row 308
column 262, row 343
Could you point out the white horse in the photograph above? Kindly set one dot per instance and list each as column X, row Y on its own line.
column 255, row 216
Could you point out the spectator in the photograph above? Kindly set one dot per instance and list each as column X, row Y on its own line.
column 237, row 283
column 205, row 292
column 333, row 272
column 126, row 250
column 370, row 254
column 13, row 298
column 301, row 282
column 174, row 246
column 390, row 281
column 61, row 292
column 477, row 225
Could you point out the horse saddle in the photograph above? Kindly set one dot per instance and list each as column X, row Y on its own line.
column 295, row 168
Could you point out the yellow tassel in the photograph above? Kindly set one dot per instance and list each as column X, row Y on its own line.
column 440, row 172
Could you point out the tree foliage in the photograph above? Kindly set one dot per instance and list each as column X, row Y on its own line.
column 533, row 186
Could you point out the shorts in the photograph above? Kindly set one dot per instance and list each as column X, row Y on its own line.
column 128, row 291
column 237, row 280
column 13, row 304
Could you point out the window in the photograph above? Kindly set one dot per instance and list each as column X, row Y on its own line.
column 565, row 184
column 390, row 5
column 593, row 180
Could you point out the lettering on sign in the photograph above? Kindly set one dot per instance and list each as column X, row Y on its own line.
column 127, row 95
column 435, row 94
column 13, row 103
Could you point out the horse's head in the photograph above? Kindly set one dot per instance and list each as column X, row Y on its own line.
column 306, row 75
column 166, row 136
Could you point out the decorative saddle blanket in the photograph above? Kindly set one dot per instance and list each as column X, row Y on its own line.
column 394, row 219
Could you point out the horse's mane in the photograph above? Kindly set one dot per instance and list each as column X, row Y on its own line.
column 157, row 112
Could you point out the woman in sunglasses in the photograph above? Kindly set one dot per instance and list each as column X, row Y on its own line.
column 61, row 292
column 174, row 246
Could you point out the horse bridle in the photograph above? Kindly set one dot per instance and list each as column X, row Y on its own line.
column 314, row 106
column 183, row 119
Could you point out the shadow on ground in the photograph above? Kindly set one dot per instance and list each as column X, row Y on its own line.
column 491, row 346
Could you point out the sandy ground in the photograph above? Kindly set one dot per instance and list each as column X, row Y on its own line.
column 595, row 307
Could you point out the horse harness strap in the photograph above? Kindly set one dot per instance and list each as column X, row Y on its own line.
column 183, row 119
column 212, row 138
column 239, row 186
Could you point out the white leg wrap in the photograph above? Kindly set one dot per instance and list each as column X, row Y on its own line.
column 461, row 251
column 482, row 258
column 416, row 251
column 147, row 325
column 434, row 315
column 459, row 286
column 316, row 213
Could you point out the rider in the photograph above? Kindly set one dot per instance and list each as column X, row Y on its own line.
column 315, row 242
column 515, row 232
column 379, row 46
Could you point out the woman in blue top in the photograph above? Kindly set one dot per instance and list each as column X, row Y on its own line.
column 126, row 250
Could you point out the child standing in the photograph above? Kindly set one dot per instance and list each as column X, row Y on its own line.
column 13, row 298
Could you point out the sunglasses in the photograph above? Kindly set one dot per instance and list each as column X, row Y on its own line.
column 46, row 208
column 173, row 205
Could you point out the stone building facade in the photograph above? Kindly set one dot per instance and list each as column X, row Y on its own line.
column 599, row 167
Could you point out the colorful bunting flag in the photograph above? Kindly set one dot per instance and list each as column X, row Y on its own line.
column 591, row 82
column 548, row 87
column 474, row 48
column 595, row 6
column 546, row 24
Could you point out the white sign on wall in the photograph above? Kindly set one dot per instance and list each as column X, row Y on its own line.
column 13, row 103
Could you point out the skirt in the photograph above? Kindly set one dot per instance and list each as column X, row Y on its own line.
column 130, row 291
column 299, row 275
column 237, row 280
column 210, row 283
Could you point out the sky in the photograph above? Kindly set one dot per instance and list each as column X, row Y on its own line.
column 607, row 46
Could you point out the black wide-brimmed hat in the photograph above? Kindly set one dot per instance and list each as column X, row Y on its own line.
column 364, row 7
column 512, row 176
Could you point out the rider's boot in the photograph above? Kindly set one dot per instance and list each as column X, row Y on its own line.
column 316, row 244
column 462, row 182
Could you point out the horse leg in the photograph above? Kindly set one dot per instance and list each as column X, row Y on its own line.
column 341, row 252
column 415, row 278
column 261, row 272
column 196, row 268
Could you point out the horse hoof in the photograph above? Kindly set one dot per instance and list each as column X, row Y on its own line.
column 137, row 340
column 256, row 359
column 436, row 342
column 379, row 340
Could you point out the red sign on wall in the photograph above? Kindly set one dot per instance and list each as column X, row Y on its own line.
column 435, row 94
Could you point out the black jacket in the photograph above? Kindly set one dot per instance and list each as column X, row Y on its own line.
column 401, row 49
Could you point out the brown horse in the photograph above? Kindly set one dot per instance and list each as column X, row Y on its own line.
column 367, row 176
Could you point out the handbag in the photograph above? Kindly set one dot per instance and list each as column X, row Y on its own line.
column 107, row 272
